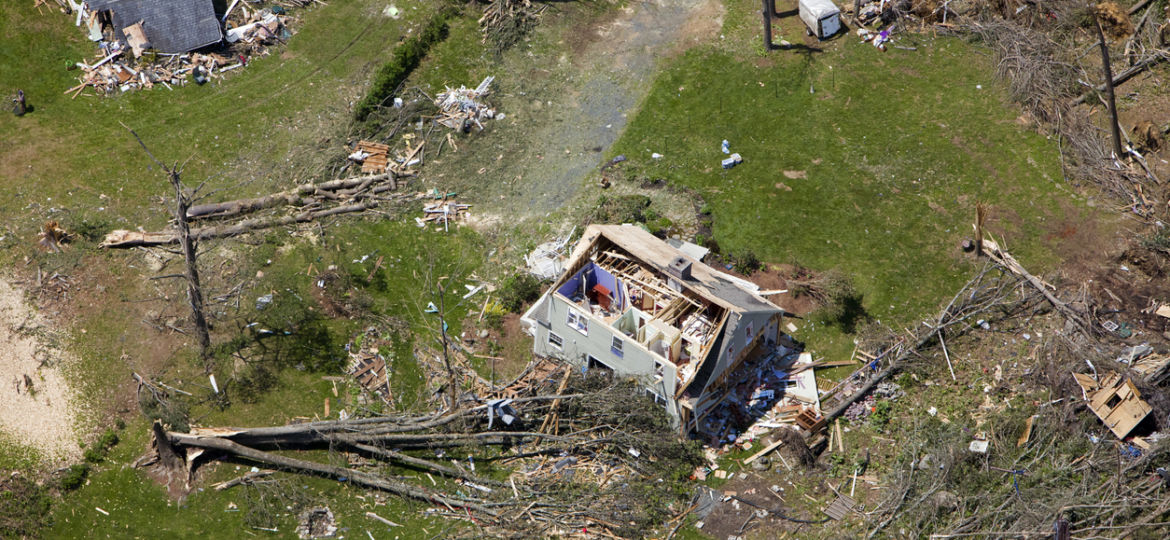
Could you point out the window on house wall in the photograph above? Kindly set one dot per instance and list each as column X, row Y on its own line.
column 556, row 341
column 615, row 346
column 577, row 322
column 596, row 364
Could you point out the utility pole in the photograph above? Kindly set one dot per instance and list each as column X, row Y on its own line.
column 1114, row 130
column 767, row 12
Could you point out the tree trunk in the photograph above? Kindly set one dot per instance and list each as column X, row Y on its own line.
column 341, row 473
column 194, row 290
column 293, row 196
column 1114, row 130
column 129, row 239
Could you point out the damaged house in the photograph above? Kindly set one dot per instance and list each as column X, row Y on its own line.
column 167, row 26
column 632, row 304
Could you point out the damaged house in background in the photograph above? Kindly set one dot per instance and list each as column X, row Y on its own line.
column 633, row 304
column 167, row 26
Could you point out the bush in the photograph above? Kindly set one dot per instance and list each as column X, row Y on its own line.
column 94, row 454
column 74, row 477
column 1159, row 241
column 746, row 262
column 517, row 291
column 406, row 58
column 882, row 413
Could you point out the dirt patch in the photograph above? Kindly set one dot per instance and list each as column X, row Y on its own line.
column 507, row 348
column 38, row 404
column 703, row 24
column 779, row 277
column 737, row 517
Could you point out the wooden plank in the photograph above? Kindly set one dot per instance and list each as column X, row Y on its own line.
column 764, row 452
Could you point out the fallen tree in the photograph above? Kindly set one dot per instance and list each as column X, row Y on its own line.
column 592, row 468
column 302, row 195
column 127, row 239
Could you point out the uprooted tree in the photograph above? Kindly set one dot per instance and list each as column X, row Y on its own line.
column 588, row 451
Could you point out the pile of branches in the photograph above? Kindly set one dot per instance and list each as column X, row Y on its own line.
column 590, row 451
column 1045, row 68
column 505, row 22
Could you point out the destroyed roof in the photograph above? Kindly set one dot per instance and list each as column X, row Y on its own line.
column 171, row 26
column 705, row 281
column 1116, row 401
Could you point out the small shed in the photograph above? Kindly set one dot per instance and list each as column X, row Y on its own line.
column 822, row 17
column 1116, row 401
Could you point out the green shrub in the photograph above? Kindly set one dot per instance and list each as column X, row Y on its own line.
column 108, row 439
column 1159, row 241
column 94, row 454
column 406, row 58
column 517, row 291
column 746, row 262
column 882, row 413
column 74, row 477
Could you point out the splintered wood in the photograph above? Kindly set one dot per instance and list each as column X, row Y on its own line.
column 374, row 158
column 461, row 108
column 378, row 155
column 370, row 371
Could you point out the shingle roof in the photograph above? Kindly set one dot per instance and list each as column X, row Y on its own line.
column 172, row 26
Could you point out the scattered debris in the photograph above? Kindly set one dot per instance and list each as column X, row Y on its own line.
column 732, row 160
column 142, row 43
column 52, row 237
column 840, row 507
column 316, row 523
column 547, row 261
column 461, row 109
column 442, row 212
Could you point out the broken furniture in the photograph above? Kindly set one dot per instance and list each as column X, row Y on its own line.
column 1115, row 400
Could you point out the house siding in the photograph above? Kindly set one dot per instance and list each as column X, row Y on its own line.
column 635, row 360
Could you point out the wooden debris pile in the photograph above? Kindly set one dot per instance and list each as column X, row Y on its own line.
column 128, row 63
column 772, row 390
column 442, row 213
column 374, row 158
column 462, row 108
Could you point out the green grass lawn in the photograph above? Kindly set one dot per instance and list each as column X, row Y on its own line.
column 854, row 160
column 278, row 111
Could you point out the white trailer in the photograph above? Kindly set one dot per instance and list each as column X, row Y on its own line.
column 822, row 17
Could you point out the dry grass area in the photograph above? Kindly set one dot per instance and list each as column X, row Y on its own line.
column 38, row 408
